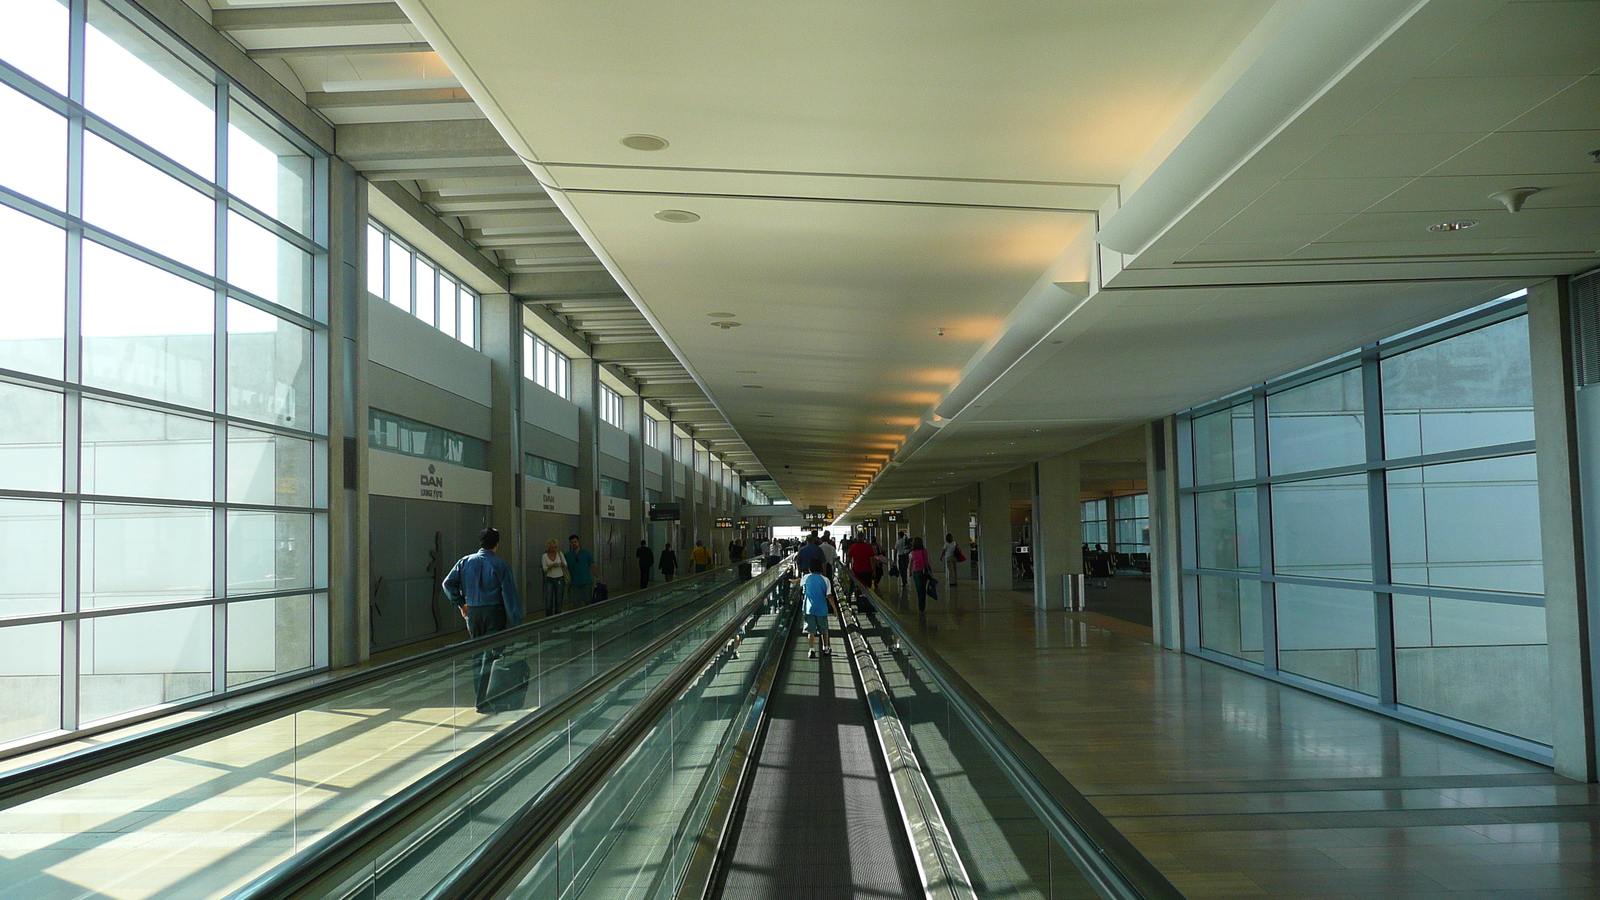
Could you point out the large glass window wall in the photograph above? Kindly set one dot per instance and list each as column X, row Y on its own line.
column 162, row 390
column 1372, row 525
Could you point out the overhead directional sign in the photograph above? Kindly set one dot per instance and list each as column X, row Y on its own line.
column 666, row 512
column 724, row 522
column 894, row 515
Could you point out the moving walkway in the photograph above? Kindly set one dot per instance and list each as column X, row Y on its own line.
column 201, row 807
column 702, row 756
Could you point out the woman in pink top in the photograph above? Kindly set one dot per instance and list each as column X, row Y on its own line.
column 921, row 571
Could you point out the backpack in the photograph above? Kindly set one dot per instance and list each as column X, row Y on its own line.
column 601, row 593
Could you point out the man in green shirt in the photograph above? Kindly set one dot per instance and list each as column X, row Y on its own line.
column 580, row 563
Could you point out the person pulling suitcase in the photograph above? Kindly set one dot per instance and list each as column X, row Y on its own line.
column 482, row 587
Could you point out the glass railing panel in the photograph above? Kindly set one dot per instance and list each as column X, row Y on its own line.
column 411, row 865
column 224, row 811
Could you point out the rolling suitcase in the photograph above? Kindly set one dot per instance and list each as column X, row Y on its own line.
column 508, row 684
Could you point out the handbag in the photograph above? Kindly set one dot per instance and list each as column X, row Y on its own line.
column 933, row 588
column 960, row 557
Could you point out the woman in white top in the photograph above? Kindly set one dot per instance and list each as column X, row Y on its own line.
column 554, row 564
column 951, row 548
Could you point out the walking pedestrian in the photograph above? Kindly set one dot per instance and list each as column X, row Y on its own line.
column 902, row 558
column 647, row 561
column 700, row 556
column 921, row 571
column 482, row 587
column 817, row 589
column 669, row 562
column 582, row 572
column 554, row 565
column 950, row 556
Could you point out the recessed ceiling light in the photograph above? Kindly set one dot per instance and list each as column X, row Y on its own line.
column 720, row 315
column 646, row 142
column 756, row 386
column 678, row 216
column 764, row 415
column 1457, row 225
column 725, row 324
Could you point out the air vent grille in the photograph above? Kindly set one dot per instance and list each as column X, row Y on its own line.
column 1583, row 294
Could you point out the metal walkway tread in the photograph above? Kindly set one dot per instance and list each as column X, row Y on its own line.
column 820, row 819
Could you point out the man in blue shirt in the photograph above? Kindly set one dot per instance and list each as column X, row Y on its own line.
column 580, row 564
column 482, row 587
column 817, row 589
column 811, row 551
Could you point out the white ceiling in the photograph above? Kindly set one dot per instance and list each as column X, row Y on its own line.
column 868, row 173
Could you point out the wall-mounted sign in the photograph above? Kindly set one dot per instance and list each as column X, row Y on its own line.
column 724, row 522
column 744, row 523
column 666, row 512
column 541, row 496
column 397, row 475
column 614, row 508
column 894, row 515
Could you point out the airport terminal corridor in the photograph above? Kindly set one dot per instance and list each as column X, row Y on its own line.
column 420, row 419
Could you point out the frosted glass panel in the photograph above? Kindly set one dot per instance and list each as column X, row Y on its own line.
column 30, row 557
column 30, row 680
column 1227, row 535
column 269, row 367
column 375, row 242
column 1484, row 663
column 134, row 452
column 1472, row 390
column 267, row 265
column 35, row 40
column 146, row 332
column 33, row 291
column 268, row 637
column 268, row 551
column 267, row 171
column 1328, row 634
column 144, row 554
column 1320, row 528
column 36, row 167
column 1230, row 617
column 1317, row 425
column 31, row 422
column 1225, row 446
column 267, row 469
column 145, row 90
column 144, row 659
column 145, row 205
column 1468, row 525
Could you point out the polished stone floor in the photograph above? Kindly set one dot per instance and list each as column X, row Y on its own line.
column 1238, row 787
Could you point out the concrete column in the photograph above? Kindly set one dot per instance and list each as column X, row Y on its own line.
column 1057, row 528
column 1572, row 701
column 350, row 563
column 500, row 338
column 1166, row 570
column 994, row 533
column 633, row 424
column 586, row 396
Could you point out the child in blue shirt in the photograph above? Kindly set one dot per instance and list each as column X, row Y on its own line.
column 817, row 589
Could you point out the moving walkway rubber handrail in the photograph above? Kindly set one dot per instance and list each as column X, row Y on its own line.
column 1113, row 865
column 46, row 777
column 326, row 863
column 939, row 866
column 706, row 869
column 496, row 865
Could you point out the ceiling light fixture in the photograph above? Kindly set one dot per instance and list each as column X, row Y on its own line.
column 646, row 142
column 720, row 315
column 755, row 386
column 725, row 324
column 1457, row 225
column 1513, row 198
column 678, row 216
